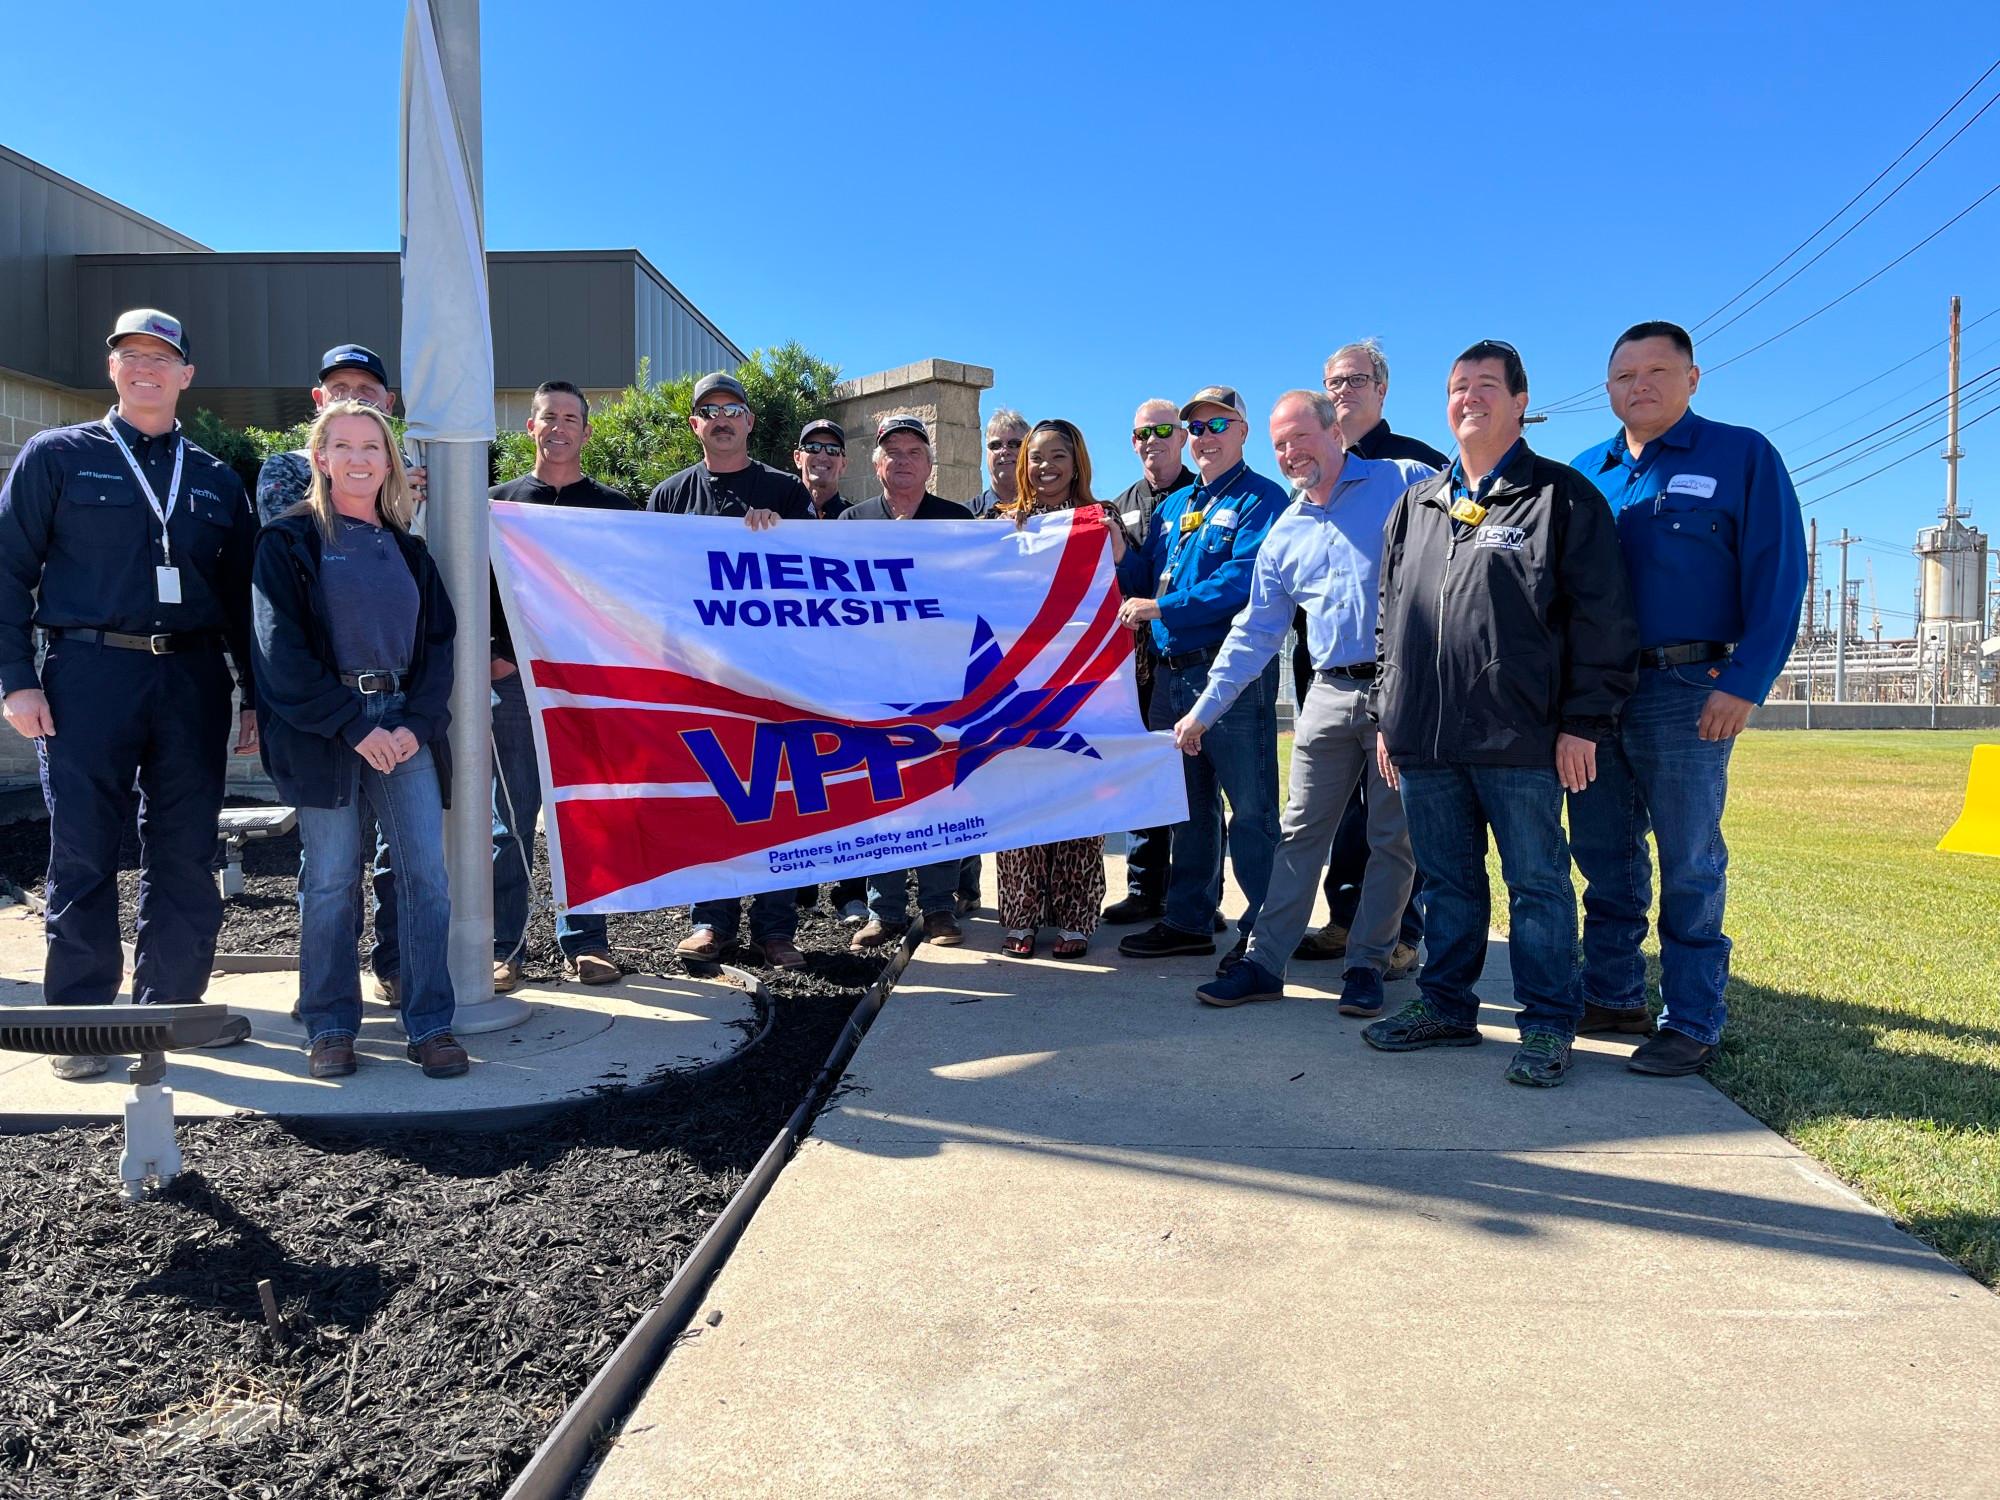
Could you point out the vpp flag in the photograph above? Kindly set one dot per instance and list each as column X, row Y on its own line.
column 722, row 711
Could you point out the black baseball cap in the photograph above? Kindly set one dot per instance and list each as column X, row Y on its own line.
column 823, row 424
column 1223, row 396
column 903, row 423
column 708, row 385
column 353, row 357
column 151, row 322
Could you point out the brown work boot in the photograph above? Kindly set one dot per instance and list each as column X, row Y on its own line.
column 782, row 953
column 1637, row 1021
column 506, row 975
column 332, row 1057
column 1329, row 942
column 439, row 1056
column 1403, row 962
column 592, row 968
column 875, row 933
column 702, row 943
column 941, row 927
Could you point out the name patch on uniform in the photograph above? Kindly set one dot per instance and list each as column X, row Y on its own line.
column 93, row 474
column 1223, row 520
column 1701, row 486
column 1507, row 538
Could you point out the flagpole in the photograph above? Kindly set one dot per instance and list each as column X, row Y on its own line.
column 457, row 460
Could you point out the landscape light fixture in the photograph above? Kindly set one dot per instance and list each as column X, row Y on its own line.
column 152, row 1158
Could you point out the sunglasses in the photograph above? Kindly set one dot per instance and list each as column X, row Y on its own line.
column 1210, row 424
column 709, row 412
column 822, row 448
column 1156, row 429
column 1001, row 445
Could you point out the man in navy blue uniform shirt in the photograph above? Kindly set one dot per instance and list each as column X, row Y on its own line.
column 1185, row 582
column 1715, row 550
column 130, row 547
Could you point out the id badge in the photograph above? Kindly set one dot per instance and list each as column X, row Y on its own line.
column 1191, row 522
column 167, row 583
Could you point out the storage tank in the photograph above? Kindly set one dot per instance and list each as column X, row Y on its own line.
column 1951, row 570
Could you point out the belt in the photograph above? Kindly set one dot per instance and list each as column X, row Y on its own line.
column 1361, row 671
column 1201, row 656
column 372, row 682
column 1680, row 656
column 157, row 645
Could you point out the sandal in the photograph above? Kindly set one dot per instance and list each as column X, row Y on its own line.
column 1070, row 945
column 1019, row 942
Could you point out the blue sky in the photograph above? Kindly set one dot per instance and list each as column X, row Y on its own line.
column 1106, row 203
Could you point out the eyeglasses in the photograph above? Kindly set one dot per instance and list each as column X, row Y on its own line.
column 146, row 358
column 1001, row 445
column 1210, row 424
column 1156, row 429
column 708, row 413
column 822, row 448
column 1335, row 384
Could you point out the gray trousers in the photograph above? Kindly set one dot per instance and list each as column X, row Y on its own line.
column 1333, row 747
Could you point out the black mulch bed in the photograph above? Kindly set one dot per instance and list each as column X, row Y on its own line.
column 443, row 1296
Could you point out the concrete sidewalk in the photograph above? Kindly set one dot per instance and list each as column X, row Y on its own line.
column 1063, row 1232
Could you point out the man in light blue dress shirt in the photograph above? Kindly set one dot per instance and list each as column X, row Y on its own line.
column 1322, row 556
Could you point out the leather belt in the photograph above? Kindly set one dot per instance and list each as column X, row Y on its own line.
column 1683, row 655
column 1363, row 671
column 372, row 682
column 1200, row 657
column 156, row 645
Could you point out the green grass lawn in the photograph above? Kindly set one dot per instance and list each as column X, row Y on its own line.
column 1864, row 993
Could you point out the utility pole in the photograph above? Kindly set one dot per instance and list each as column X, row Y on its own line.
column 1840, row 621
column 1812, row 578
column 1951, row 451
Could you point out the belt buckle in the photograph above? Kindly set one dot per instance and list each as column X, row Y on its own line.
column 369, row 683
column 160, row 645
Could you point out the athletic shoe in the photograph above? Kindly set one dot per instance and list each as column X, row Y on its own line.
column 1671, row 1054
column 1239, row 984
column 1236, row 954
column 1162, row 941
column 1417, row 1026
column 1361, row 993
column 83, row 1065
column 234, row 1029
column 1541, row 1062
column 854, row 913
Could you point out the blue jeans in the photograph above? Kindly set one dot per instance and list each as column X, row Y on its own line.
column 514, row 835
column 1657, row 773
column 773, row 914
column 1449, row 810
column 409, row 810
column 889, row 892
column 1238, row 760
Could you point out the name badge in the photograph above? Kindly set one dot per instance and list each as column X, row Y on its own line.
column 167, row 583
column 1702, row 486
column 1468, row 510
column 1223, row 520
column 1191, row 522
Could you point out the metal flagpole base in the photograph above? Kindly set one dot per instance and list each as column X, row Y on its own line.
column 489, row 1013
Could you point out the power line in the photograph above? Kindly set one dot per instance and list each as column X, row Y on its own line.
column 1879, row 204
column 1917, row 452
column 1821, row 437
column 1884, row 375
column 1828, row 306
column 1935, row 401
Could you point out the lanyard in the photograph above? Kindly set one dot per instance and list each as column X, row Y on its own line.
column 164, row 513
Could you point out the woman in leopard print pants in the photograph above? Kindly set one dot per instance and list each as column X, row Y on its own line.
column 1058, row 885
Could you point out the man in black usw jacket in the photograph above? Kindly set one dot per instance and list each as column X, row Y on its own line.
column 1506, row 648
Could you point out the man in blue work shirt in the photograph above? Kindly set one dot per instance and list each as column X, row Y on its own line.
column 1715, row 550
column 130, row 547
column 1188, row 580
column 1321, row 557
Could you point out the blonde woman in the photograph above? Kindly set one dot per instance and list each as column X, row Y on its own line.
column 1058, row 885
column 352, row 654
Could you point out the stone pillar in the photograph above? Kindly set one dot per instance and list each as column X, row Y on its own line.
column 941, row 391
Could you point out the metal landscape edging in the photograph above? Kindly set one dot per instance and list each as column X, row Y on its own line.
column 615, row 1389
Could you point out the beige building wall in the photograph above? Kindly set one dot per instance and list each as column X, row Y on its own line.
column 28, row 405
column 511, row 408
column 945, row 394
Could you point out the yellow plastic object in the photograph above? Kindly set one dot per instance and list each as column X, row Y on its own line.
column 1977, row 830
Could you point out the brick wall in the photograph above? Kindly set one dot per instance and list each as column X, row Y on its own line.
column 27, row 406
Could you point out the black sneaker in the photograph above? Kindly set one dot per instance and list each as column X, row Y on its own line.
column 1637, row 1021
column 1361, row 992
column 1235, row 955
column 1162, row 941
column 1541, row 1062
column 1670, row 1054
column 1133, row 909
column 1416, row 1026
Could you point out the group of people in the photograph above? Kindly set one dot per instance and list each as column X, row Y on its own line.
column 1484, row 641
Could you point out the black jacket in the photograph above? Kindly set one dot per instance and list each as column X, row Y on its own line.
column 1495, row 637
column 308, row 721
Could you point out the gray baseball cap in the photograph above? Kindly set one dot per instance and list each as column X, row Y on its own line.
column 154, row 324
column 708, row 385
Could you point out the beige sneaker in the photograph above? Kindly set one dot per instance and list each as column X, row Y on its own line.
column 1403, row 962
column 1329, row 942
column 75, row 1069
column 506, row 975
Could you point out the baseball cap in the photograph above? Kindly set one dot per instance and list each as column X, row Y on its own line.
column 823, row 425
column 353, row 357
column 902, row 423
column 1214, row 395
column 154, row 324
column 708, row 385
